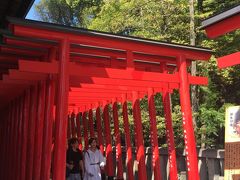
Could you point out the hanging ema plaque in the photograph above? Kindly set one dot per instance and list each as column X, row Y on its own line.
column 232, row 144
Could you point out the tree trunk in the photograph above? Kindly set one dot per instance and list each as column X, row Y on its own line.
column 194, row 65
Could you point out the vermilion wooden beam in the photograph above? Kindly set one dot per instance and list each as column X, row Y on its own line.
column 79, row 96
column 95, row 97
column 25, row 43
column 120, row 64
column 122, row 54
column 12, row 50
column 108, row 87
column 45, row 67
column 98, row 90
column 91, row 51
column 7, row 82
column 8, row 66
column 224, row 26
column 8, row 56
column 120, row 82
column 229, row 60
column 38, row 67
column 93, row 61
column 110, row 42
column 98, row 51
column 98, row 87
column 123, row 74
column 89, row 101
column 5, row 87
column 13, row 58
column 15, row 74
column 109, row 63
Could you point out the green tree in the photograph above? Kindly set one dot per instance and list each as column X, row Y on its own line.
column 68, row 12
column 161, row 20
column 223, row 84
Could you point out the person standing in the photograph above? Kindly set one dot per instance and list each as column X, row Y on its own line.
column 93, row 161
column 74, row 160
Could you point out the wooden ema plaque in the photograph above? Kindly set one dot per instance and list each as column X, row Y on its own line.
column 232, row 144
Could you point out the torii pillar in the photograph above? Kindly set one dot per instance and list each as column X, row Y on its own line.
column 189, row 138
column 61, row 113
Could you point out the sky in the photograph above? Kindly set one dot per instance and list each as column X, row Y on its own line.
column 32, row 13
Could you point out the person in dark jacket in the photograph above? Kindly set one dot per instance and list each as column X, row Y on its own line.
column 74, row 160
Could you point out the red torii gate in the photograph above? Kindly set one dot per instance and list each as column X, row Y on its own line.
column 216, row 26
column 221, row 24
column 45, row 65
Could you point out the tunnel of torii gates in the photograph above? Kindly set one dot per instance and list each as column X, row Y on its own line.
column 52, row 73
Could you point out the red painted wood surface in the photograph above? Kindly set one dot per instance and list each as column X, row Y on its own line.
column 47, row 129
column 79, row 129
column 173, row 173
column 78, row 124
column 31, row 134
column 154, row 136
column 140, row 151
column 189, row 138
column 108, row 42
column 227, row 25
column 19, row 139
column 90, row 123
column 73, row 126
column 129, row 158
column 25, row 133
column 117, row 141
column 229, row 60
column 108, row 141
column 59, row 160
column 85, row 130
column 99, row 129
column 39, row 131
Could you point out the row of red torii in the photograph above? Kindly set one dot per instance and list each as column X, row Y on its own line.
column 77, row 70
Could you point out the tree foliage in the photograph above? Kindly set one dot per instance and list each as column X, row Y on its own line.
column 68, row 12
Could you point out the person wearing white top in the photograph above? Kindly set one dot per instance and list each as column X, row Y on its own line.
column 93, row 161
